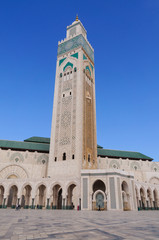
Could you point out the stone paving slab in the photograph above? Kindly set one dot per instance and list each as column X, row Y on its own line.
column 78, row 225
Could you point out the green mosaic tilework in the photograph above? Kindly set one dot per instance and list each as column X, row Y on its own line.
column 74, row 43
column 84, row 57
column 91, row 66
column 61, row 61
column 75, row 55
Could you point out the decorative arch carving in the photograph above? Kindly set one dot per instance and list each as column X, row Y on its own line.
column 13, row 170
column 154, row 180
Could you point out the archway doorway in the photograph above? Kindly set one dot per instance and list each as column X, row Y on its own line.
column 125, row 196
column 12, row 198
column 57, row 197
column 142, row 197
column 99, row 201
column 26, row 197
column 41, row 196
column 59, row 201
column 72, row 200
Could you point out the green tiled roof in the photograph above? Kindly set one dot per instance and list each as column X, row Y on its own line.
column 41, row 144
column 32, row 146
column 98, row 146
column 121, row 154
column 38, row 140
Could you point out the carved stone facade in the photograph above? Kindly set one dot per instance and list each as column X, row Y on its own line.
column 69, row 171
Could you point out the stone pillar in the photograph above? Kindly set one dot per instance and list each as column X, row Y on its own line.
column 5, row 202
column 48, row 203
column 32, row 204
column 64, row 203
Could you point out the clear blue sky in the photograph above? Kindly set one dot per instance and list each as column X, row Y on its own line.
column 125, row 37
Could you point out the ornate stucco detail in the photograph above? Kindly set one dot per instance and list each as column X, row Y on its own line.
column 135, row 166
column 154, row 167
column 13, row 170
column 43, row 159
column 17, row 157
column 114, row 164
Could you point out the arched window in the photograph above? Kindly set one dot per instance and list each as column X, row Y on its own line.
column 64, row 156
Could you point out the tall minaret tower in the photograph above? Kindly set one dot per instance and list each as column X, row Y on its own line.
column 73, row 143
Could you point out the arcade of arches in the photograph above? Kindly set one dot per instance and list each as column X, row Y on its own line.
column 57, row 197
column 39, row 199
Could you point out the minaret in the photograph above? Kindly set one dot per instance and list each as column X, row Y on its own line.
column 73, row 143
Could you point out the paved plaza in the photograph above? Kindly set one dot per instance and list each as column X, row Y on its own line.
column 73, row 225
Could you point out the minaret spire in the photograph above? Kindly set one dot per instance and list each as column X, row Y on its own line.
column 76, row 17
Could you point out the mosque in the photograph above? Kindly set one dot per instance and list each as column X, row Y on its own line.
column 69, row 170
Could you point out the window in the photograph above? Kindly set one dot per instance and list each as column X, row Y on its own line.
column 65, row 77
column 73, row 156
column 63, row 95
column 71, row 75
column 43, row 161
column 64, row 156
column 75, row 69
column 55, row 159
column 68, row 76
column 70, row 93
column 89, row 157
column 60, row 75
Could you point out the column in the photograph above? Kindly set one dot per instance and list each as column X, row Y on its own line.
column 63, row 203
column 48, row 203
column 32, row 204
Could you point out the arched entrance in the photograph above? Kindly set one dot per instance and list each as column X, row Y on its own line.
column 99, row 200
column 99, row 196
column 142, row 199
column 1, row 196
column 12, row 198
column 59, row 201
column 41, row 196
column 71, row 197
column 26, row 197
column 125, row 196
column 57, row 197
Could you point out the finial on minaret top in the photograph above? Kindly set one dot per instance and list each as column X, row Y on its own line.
column 76, row 17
